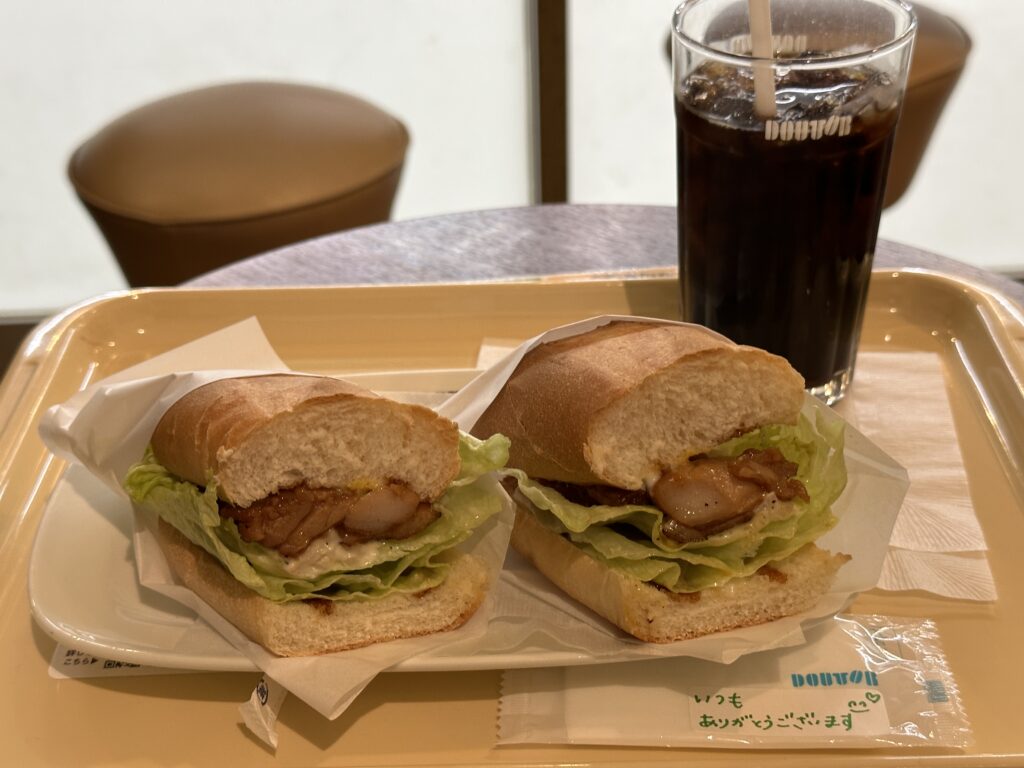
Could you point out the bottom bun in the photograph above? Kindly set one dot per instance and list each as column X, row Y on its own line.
column 656, row 615
column 309, row 627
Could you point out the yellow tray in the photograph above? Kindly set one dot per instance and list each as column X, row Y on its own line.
column 449, row 718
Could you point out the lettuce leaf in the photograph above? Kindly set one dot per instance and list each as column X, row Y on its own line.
column 362, row 571
column 629, row 538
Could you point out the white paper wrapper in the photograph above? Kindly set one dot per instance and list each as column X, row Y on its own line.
column 107, row 426
column 108, row 436
column 530, row 612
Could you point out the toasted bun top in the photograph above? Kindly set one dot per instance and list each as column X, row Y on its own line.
column 625, row 401
column 256, row 435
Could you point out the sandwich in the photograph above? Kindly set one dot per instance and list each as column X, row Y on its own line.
column 667, row 480
column 316, row 516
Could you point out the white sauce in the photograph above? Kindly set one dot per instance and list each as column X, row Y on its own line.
column 327, row 553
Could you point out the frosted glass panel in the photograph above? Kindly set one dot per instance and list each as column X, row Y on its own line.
column 622, row 133
column 455, row 71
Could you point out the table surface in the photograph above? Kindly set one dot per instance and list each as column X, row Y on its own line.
column 511, row 243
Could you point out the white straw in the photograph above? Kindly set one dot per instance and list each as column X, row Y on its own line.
column 761, row 46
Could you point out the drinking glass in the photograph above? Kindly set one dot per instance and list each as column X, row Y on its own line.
column 784, row 132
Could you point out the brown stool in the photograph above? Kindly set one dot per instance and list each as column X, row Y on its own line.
column 192, row 182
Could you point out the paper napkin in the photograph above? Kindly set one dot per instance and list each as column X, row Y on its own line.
column 899, row 400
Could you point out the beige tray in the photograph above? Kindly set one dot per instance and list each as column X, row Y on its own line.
column 449, row 718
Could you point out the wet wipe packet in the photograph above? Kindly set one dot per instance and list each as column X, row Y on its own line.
column 860, row 682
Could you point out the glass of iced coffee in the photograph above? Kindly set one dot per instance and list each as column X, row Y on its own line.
column 785, row 116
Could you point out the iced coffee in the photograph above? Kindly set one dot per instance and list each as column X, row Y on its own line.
column 779, row 212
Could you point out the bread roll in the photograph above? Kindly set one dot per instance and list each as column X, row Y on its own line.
column 657, row 615
column 309, row 627
column 618, row 405
column 259, row 434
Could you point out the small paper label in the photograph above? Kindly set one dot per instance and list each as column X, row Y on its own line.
column 798, row 712
column 67, row 663
column 259, row 713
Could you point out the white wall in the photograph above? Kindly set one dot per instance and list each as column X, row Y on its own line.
column 966, row 201
column 455, row 71
column 621, row 123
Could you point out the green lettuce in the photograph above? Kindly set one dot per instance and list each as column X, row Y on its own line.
column 629, row 538
column 363, row 571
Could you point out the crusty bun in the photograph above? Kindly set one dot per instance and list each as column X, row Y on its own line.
column 603, row 407
column 656, row 615
column 259, row 434
column 619, row 406
column 304, row 628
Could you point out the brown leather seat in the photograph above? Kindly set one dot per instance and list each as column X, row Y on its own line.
column 940, row 53
column 195, row 181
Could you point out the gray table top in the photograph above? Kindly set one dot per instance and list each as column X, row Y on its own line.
column 511, row 243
